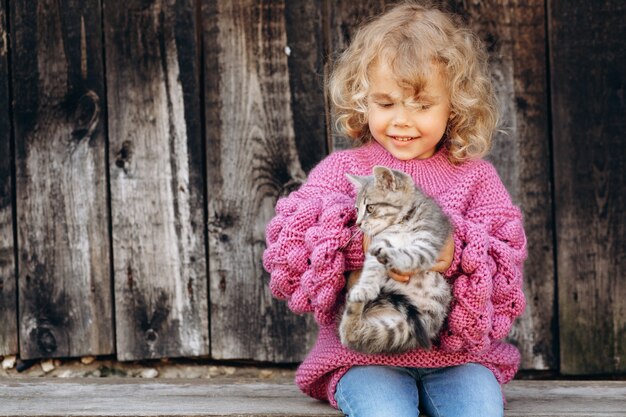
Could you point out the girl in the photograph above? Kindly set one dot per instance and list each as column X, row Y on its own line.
column 413, row 92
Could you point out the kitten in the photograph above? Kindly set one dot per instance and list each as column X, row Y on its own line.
column 408, row 231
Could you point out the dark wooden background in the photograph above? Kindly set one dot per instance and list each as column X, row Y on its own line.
column 143, row 145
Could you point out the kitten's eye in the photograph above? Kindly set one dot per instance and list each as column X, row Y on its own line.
column 369, row 208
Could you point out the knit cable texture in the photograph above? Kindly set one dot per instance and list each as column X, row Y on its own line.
column 490, row 249
column 305, row 255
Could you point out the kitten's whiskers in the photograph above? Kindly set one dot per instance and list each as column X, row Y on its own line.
column 356, row 232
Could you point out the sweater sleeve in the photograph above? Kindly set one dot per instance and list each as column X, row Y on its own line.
column 312, row 240
column 487, row 270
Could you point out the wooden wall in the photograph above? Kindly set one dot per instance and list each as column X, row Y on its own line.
column 156, row 178
column 588, row 81
column 8, row 297
column 143, row 145
column 64, row 278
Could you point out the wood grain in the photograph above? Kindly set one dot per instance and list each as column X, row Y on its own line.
column 167, row 398
column 535, row 332
column 305, row 59
column 237, row 397
column 252, row 159
column 156, row 179
column 267, row 123
column 8, row 294
column 64, row 254
column 588, row 66
column 514, row 35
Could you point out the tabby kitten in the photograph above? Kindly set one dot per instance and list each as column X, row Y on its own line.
column 408, row 231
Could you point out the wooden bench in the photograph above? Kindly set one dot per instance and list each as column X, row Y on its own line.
column 89, row 397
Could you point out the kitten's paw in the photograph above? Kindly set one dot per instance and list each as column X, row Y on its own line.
column 382, row 254
column 362, row 293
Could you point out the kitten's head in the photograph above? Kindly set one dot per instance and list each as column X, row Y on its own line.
column 381, row 197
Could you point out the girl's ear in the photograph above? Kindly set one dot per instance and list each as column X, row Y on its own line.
column 357, row 181
column 384, row 177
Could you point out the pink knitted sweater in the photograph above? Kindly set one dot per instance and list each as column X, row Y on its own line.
column 309, row 249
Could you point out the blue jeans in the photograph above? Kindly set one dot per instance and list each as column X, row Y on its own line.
column 469, row 390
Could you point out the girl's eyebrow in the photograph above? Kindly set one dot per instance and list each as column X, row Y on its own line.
column 380, row 96
column 418, row 97
column 426, row 97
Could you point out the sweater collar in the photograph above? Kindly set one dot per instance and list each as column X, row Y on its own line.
column 432, row 174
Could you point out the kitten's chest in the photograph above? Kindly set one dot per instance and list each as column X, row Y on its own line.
column 395, row 239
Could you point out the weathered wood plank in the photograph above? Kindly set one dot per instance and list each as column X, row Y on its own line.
column 103, row 397
column 514, row 34
column 254, row 398
column 64, row 254
column 305, row 43
column 565, row 398
column 342, row 19
column 535, row 332
column 251, row 160
column 8, row 295
column 156, row 174
column 588, row 75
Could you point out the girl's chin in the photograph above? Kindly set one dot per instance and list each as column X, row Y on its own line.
column 402, row 157
column 402, row 154
column 407, row 154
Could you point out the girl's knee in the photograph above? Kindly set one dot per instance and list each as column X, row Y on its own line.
column 485, row 399
column 377, row 391
column 469, row 390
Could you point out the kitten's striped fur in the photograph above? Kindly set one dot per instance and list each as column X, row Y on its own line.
column 408, row 230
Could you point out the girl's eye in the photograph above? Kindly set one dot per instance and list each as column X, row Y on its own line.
column 385, row 105
column 421, row 106
column 369, row 208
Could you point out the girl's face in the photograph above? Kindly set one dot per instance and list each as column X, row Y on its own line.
column 408, row 127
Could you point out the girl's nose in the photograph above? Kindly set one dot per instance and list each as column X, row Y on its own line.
column 400, row 117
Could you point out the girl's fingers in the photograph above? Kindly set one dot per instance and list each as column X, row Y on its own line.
column 445, row 257
column 398, row 277
column 366, row 242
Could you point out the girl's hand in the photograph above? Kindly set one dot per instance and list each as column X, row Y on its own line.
column 398, row 277
column 445, row 257
column 367, row 239
column 443, row 262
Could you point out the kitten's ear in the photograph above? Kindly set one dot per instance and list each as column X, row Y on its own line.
column 384, row 177
column 403, row 180
column 357, row 181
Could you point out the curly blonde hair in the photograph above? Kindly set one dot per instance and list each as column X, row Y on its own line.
column 411, row 37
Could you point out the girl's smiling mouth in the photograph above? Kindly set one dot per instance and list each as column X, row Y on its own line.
column 403, row 138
